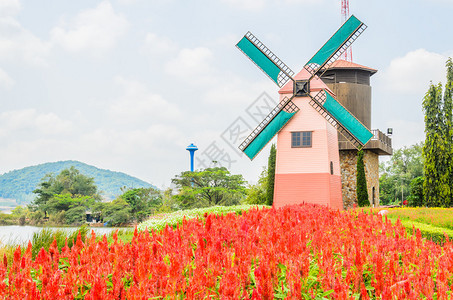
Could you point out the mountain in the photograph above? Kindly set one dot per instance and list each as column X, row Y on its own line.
column 19, row 184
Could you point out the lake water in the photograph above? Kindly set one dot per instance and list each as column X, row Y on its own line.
column 15, row 234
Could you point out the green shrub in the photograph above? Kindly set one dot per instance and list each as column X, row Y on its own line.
column 117, row 212
column 58, row 218
column 7, row 219
column 433, row 233
column 75, row 215
column 362, row 191
column 45, row 237
column 37, row 217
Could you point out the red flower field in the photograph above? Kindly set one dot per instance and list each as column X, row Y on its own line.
column 299, row 252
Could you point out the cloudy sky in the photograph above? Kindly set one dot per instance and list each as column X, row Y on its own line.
column 126, row 85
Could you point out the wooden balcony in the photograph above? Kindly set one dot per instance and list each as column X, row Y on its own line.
column 380, row 143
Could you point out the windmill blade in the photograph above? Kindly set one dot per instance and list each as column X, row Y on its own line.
column 336, row 45
column 348, row 125
column 269, row 127
column 267, row 61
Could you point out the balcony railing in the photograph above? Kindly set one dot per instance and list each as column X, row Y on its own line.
column 382, row 137
column 379, row 143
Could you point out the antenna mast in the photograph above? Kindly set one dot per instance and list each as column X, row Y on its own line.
column 347, row 55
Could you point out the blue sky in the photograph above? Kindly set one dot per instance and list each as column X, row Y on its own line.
column 126, row 85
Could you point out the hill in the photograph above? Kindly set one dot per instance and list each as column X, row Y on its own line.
column 19, row 184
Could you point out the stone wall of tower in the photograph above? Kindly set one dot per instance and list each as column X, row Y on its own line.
column 348, row 165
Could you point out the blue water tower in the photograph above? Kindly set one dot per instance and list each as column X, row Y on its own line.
column 191, row 148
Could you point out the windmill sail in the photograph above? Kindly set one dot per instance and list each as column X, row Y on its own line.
column 267, row 61
column 269, row 127
column 323, row 102
column 348, row 125
column 336, row 45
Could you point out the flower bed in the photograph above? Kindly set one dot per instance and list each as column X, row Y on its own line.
column 299, row 252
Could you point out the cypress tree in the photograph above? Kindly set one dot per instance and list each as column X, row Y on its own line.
column 362, row 191
column 448, row 136
column 438, row 149
column 271, row 175
column 433, row 147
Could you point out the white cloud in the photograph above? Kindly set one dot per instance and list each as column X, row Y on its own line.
column 227, row 40
column 155, row 46
column 406, row 132
column 9, row 7
column 29, row 121
column 17, row 42
column 254, row 5
column 158, row 141
column 95, row 30
column 193, row 65
column 138, row 104
column 303, row 1
column 246, row 4
column 439, row 1
column 412, row 73
column 127, row 2
column 5, row 80
column 152, row 137
column 238, row 92
column 149, row 152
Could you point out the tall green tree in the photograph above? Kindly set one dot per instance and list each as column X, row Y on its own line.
column 416, row 192
column 271, row 175
column 396, row 174
column 45, row 191
column 448, row 132
column 362, row 191
column 117, row 212
column 65, row 202
column 257, row 193
column 142, row 202
column 437, row 151
column 432, row 104
column 67, row 190
column 208, row 187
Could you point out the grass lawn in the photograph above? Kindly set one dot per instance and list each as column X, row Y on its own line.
column 433, row 223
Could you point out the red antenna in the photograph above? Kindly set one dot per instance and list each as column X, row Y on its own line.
column 347, row 55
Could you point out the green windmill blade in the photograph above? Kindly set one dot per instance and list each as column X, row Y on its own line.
column 345, row 122
column 264, row 59
column 269, row 127
column 323, row 102
column 336, row 45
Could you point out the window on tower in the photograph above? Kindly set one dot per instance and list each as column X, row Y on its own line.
column 301, row 139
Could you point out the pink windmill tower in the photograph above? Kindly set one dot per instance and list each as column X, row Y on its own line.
column 307, row 120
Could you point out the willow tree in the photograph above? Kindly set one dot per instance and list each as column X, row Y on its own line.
column 438, row 150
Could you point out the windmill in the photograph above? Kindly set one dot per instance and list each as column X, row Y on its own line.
column 303, row 175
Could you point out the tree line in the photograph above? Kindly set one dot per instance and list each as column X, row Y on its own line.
column 401, row 177
column 72, row 198
column 424, row 172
